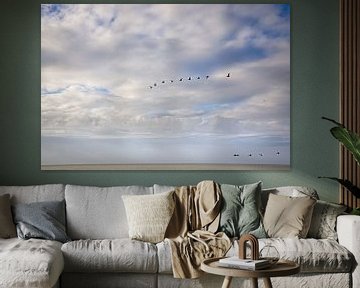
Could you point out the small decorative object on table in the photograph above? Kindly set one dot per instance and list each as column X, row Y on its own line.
column 254, row 245
column 280, row 268
column 270, row 253
column 241, row 261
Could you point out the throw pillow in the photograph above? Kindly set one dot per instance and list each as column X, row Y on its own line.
column 240, row 213
column 149, row 215
column 7, row 226
column 44, row 220
column 288, row 217
column 323, row 222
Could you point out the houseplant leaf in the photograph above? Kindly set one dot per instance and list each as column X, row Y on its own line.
column 348, row 138
column 351, row 141
column 347, row 184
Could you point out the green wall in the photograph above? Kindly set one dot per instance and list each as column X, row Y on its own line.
column 314, row 84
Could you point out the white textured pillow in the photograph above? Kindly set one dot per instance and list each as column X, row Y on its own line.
column 323, row 222
column 149, row 215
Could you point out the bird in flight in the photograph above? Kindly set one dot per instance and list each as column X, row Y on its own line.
column 188, row 78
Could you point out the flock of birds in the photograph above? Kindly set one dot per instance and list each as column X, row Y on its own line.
column 182, row 79
column 155, row 85
column 253, row 155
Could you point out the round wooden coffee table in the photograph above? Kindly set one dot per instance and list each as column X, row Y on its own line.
column 281, row 268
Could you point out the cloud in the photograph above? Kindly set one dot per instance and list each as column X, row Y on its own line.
column 99, row 61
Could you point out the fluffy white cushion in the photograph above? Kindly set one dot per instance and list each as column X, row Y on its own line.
column 288, row 216
column 149, row 215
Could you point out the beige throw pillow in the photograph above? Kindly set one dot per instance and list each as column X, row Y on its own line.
column 288, row 217
column 7, row 226
column 149, row 215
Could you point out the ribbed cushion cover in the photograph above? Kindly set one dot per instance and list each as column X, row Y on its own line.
column 149, row 215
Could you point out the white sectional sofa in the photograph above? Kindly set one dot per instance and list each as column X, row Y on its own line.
column 100, row 253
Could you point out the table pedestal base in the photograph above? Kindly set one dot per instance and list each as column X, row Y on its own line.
column 228, row 279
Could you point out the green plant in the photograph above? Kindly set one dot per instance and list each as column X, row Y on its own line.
column 356, row 211
column 351, row 141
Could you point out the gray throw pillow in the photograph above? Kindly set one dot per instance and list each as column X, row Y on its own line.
column 240, row 213
column 44, row 220
column 7, row 226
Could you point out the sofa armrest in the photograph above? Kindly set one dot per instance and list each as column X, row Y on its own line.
column 348, row 230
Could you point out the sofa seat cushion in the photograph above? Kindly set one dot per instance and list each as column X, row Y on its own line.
column 313, row 255
column 30, row 263
column 110, row 255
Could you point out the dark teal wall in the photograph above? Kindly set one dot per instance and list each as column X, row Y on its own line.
column 314, row 83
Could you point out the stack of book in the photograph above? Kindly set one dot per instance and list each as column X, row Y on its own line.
column 248, row 264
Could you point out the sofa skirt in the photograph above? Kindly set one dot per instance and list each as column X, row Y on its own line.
column 134, row 280
column 108, row 280
column 308, row 280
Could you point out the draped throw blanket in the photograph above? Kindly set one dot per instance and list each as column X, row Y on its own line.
column 191, row 231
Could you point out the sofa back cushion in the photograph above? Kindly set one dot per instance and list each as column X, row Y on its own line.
column 36, row 193
column 98, row 212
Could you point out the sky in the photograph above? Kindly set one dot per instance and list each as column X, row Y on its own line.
column 165, row 83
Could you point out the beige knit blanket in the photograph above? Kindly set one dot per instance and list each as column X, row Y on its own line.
column 191, row 231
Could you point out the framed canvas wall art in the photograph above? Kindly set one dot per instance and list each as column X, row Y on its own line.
column 165, row 86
